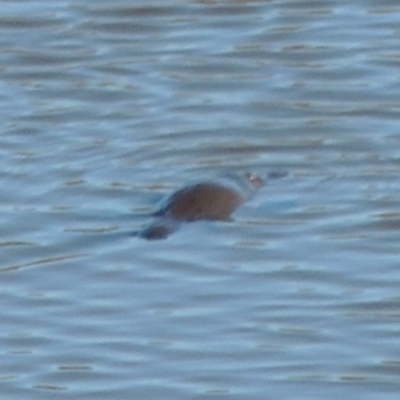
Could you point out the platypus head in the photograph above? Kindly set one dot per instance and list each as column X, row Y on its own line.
column 254, row 180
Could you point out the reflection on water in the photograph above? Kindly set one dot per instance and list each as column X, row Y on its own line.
column 108, row 107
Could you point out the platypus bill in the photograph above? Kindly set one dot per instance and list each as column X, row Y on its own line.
column 201, row 201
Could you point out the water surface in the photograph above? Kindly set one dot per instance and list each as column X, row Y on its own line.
column 106, row 107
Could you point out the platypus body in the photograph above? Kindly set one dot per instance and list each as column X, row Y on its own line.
column 201, row 201
column 205, row 200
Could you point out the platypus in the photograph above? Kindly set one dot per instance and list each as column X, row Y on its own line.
column 201, row 201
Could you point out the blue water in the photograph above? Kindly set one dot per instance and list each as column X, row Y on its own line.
column 107, row 107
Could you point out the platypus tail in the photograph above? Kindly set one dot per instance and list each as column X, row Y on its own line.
column 159, row 229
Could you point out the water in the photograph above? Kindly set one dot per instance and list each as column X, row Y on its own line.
column 108, row 106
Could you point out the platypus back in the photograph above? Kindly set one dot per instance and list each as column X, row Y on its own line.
column 201, row 201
